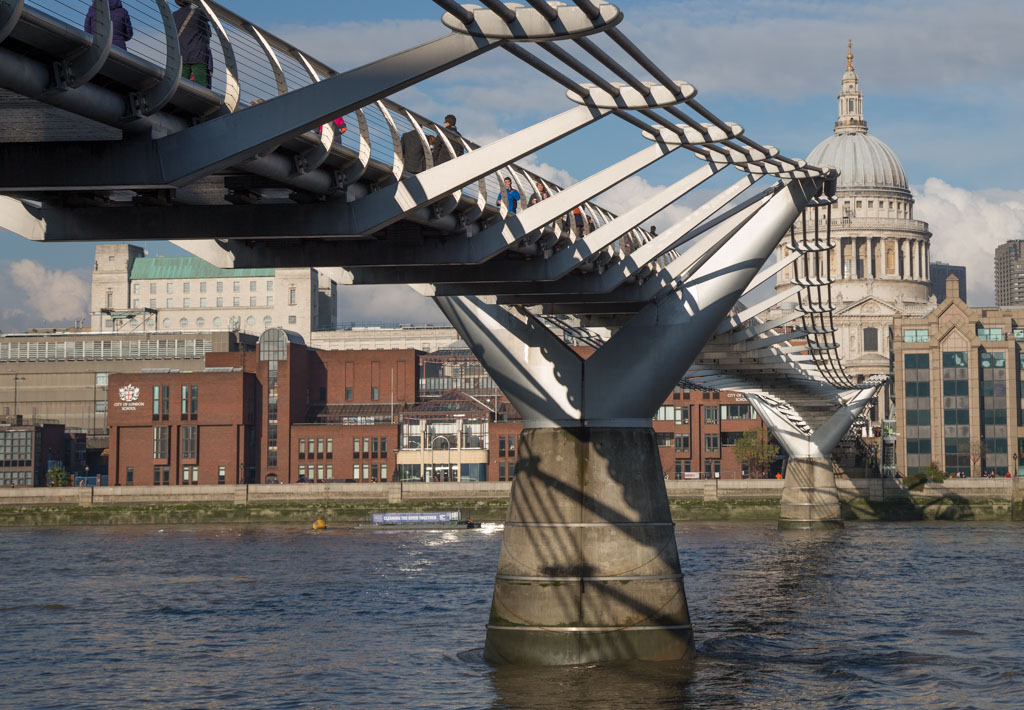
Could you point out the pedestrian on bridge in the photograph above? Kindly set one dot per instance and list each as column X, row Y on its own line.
column 440, row 151
column 511, row 196
column 194, row 39
column 120, row 21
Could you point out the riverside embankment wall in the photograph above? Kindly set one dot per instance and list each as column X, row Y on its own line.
column 861, row 499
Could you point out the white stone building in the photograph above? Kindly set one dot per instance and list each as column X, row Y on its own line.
column 132, row 292
column 881, row 257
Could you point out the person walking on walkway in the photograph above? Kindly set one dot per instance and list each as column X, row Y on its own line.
column 440, row 151
column 194, row 39
column 120, row 20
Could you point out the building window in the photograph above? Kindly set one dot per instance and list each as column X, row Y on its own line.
column 711, row 442
column 348, row 394
column 186, row 303
column 236, row 286
column 100, row 405
column 319, row 448
column 682, row 415
column 170, row 287
column 374, row 393
column 302, row 447
column 202, row 287
column 202, row 303
column 270, row 285
column 161, row 475
column 291, row 297
column 216, row 321
column 252, row 301
column 200, row 322
column 330, row 472
column 220, row 287
column 250, row 321
column 682, row 443
column 990, row 334
column 161, row 401
column 330, row 447
column 220, row 301
column 292, row 320
column 915, row 335
column 135, row 288
column 355, row 447
column 129, row 475
column 186, row 287
column 183, row 322
column 252, row 286
column 270, row 300
column 189, row 442
column 738, row 412
column 235, row 301
column 170, row 303
column 710, row 415
column 220, row 475
column 871, row 340
column 110, row 299
column 152, row 289
column 355, row 471
column 160, row 437
column 166, row 322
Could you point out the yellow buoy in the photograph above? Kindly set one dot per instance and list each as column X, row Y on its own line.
column 319, row 525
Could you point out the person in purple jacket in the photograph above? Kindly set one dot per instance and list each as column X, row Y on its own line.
column 119, row 19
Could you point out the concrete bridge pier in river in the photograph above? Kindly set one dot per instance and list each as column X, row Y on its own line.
column 589, row 570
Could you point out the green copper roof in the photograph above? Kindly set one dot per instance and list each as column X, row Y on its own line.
column 187, row 267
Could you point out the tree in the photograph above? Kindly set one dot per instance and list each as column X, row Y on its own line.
column 58, row 477
column 977, row 453
column 756, row 450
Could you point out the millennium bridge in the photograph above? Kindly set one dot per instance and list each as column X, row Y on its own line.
column 103, row 143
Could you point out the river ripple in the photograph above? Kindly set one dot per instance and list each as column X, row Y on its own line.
column 875, row 616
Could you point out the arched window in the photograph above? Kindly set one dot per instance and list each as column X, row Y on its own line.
column 871, row 340
column 216, row 322
column 250, row 321
column 890, row 260
column 166, row 322
column 183, row 322
column 266, row 321
column 200, row 322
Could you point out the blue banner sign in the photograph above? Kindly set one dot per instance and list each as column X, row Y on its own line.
column 397, row 518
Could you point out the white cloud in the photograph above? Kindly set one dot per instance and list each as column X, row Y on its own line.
column 385, row 304
column 34, row 296
column 968, row 226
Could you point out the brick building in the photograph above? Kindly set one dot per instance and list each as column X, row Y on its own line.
column 288, row 413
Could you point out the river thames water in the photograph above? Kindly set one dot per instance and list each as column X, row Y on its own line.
column 916, row 615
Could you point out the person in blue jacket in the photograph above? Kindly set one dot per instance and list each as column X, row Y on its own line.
column 119, row 19
column 511, row 196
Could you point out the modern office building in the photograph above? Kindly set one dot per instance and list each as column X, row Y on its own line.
column 1009, row 273
column 132, row 293
column 959, row 374
column 288, row 413
column 881, row 255
column 940, row 271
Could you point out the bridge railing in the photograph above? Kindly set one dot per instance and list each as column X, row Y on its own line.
column 261, row 66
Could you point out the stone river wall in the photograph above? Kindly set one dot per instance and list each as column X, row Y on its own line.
column 861, row 499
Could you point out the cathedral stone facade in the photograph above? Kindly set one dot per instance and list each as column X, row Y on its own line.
column 881, row 255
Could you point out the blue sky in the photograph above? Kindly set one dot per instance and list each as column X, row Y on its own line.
column 941, row 82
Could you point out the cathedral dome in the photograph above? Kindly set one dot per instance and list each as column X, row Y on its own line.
column 863, row 161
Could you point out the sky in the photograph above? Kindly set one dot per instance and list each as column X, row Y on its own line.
column 941, row 82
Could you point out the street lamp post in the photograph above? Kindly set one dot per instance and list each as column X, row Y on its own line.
column 17, row 379
column 1016, row 471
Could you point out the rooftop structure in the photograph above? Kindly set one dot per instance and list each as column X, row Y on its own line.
column 132, row 292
